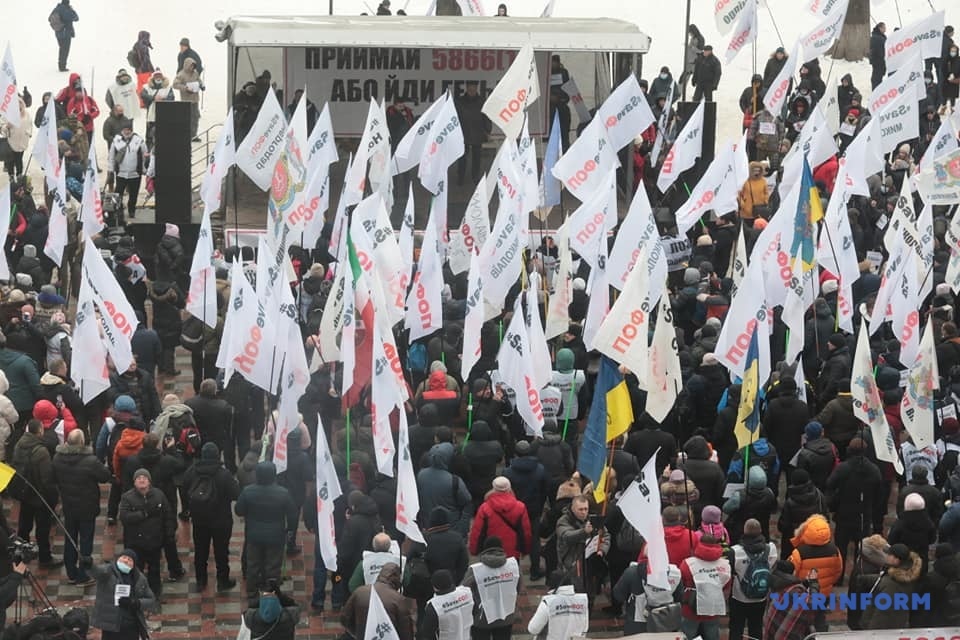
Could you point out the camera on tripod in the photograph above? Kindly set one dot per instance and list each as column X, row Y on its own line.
column 22, row 551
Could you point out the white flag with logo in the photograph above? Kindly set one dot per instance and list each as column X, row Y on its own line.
column 626, row 113
column 516, row 367
column 321, row 146
column 518, row 88
column 384, row 398
column 5, row 207
column 90, row 372
column 259, row 151
column 916, row 406
column 908, row 78
column 943, row 143
column 685, row 150
column 725, row 13
column 864, row 158
column 408, row 500
column 623, row 334
column 202, row 299
column 898, row 122
column 925, row 34
column 663, row 367
column 641, row 505
column 252, row 340
column 779, row 89
column 224, row 157
column 470, row 7
column 374, row 149
column 745, row 33
column 819, row 40
column 583, row 167
column 117, row 318
column 558, row 311
column 411, row 147
column 593, row 219
column 638, row 230
column 444, row 146
column 424, row 302
column 58, row 226
column 747, row 311
column 328, row 490
column 473, row 320
column 540, row 352
column 45, row 149
column 405, row 237
column 501, row 255
column 379, row 624
column 867, row 405
column 716, row 191
column 953, row 267
column 598, row 285
column 474, row 231
column 91, row 205
column 9, row 101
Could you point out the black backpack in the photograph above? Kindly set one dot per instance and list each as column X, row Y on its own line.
column 416, row 577
column 112, row 441
column 192, row 334
column 203, row 493
column 133, row 58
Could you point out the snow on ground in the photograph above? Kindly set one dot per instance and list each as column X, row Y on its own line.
column 107, row 30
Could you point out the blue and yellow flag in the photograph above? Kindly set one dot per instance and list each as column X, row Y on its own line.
column 748, row 416
column 809, row 213
column 6, row 475
column 611, row 415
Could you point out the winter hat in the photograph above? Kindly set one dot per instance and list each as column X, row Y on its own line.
column 943, row 289
column 713, row 322
column 813, row 430
column 579, row 284
column 130, row 553
column 760, row 224
column 492, row 542
column 899, row 551
column 704, row 241
column 565, row 360
column 441, row 581
column 711, row 514
column 210, row 451
column 142, row 473
column 914, row 502
column 829, row 286
column 691, row 275
column 857, row 444
column 671, row 517
column 709, row 360
column 706, row 268
column 48, row 296
column 918, row 473
column 677, row 475
column 439, row 517
column 752, row 527
column 46, row 412
column 501, row 484
column 522, row 448
column 788, row 385
column 950, row 426
column 16, row 295
column 124, row 403
column 171, row 230
column 184, row 42
column 838, row 340
column 799, row 476
column 316, row 271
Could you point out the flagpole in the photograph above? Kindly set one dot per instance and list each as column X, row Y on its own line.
column 833, row 251
column 566, row 420
column 348, row 440
column 469, row 421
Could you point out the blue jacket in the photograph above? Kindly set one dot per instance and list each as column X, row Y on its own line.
column 762, row 453
column 440, row 488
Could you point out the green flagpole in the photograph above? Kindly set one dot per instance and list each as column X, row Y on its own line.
column 469, row 420
column 566, row 420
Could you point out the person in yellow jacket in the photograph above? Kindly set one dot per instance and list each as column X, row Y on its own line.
column 754, row 192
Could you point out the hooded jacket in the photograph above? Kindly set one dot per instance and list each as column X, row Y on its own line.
column 483, row 453
column 446, row 549
column 123, row 92
column 814, row 549
column 77, row 102
column 31, row 459
column 802, row 501
column 840, row 425
column 706, row 474
column 440, row 488
column 399, row 608
column 556, row 457
column 129, row 444
column 218, row 516
column 756, row 500
column 54, row 388
column 78, row 476
column 502, row 515
column 783, row 422
column 836, row 367
column 916, row 530
column 818, row 458
column 853, row 488
column 157, row 90
column 680, row 542
column 358, row 532
column 267, row 509
column 893, row 581
column 708, row 553
column 8, row 414
column 493, row 558
column 23, row 380
column 106, row 616
column 186, row 76
column 529, row 482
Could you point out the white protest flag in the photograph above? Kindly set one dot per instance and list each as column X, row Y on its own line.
column 725, row 14
column 411, row 147
column 623, row 334
column 285, row 205
column 501, row 255
column 863, row 158
column 893, row 272
column 549, row 185
column 540, row 352
column 899, row 121
column 518, row 88
column 593, row 219
column 716, row 191
column 321, row 149
column 334, row 311
column 287, row 420
column 641, row 505
column 473, row 319
column 944, row 142
column 405, row 237
column 925, row 34
column 474, row 231
column 908, row 78
column 558, row 311
column 58, row 226
column 836, row 252
column 663, row 367
column 801, row 380
column 470, row 7
column 779, row 89
column 408, row 500
column 45, row 149
column 548, row 9
column 773, row 249
column 745, row 33
column 91, row 205
column 662, row 126
column 202, row 298
column 824, row 8
column 819, row 40
column 444, row 146
column 259, row 151
column 529, row 181
column 9, row 101
column 747, row 312
column 685, row 150
column 384, row 398
column 252, row 341
column 328, row 490
column 516, row 366
column 867, row 405
column 800, row 297
column 374, row 148
column 599, row 287
column 224, row 156
column 625, row 113
column 638, row 230
column 939, row 184
column 584, row 166
column 389, row 265
column 916, row 406
column 316, row 201
column 90, row 372
column 424, row 302
column 576, row 99
column 738, row 264
column 117, row 318
column 953, row 266
column 816, row 142
column 5, row 211
column 904, row 305
column 379, row 625
column 223, row 352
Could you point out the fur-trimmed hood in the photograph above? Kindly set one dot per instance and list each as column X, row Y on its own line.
column 907, row 574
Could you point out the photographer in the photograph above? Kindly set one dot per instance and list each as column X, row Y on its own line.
column 9, row 588
column 273, row 617
column 122, row 596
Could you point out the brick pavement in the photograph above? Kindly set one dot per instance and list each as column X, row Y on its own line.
column 190, row 614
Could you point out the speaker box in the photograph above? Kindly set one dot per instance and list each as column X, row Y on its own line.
column 172, row 163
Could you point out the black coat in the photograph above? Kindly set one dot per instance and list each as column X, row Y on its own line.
column 836, row 367
column 148, row 520
column 163, row 467
column 529, row 481
column 802, row 501
column 446, row 549
column 707, row 475
column 218, row 516
column 556, row 457
column 930, row 494
column 78, row 475
column 357, row 534
column 171, row 259
column 772, row 69
column 706, row 72
column 168, row 300
column 141, row 388
column 643, row 443
column 213, row 417
column 483, row 454
column 878, row 54
column 916, row 530
column 818, row 458
column 852, row 489
column 267, row 509
column 784, row 420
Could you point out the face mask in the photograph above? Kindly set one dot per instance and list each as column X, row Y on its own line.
column 123, row 567
column 269, row 608
column 953, row 54
column 664, row 76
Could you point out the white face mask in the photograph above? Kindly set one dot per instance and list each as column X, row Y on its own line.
column 664, row 76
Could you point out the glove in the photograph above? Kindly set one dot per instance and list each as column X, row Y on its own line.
column 128, row 603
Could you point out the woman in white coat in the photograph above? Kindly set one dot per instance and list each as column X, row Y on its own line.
column 19, row 139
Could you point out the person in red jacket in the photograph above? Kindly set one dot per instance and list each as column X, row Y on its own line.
column 681, row 541
column 827, row 173
column 77, row 102
column 706, row 578
column 48, row 414
column 503, row 516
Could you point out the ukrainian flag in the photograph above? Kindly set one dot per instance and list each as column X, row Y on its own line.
column 809, row 213
column 748, row 416
column 6, row 475
column 611, row 414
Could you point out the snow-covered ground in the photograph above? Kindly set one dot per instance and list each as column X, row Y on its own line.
column 107, row 30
